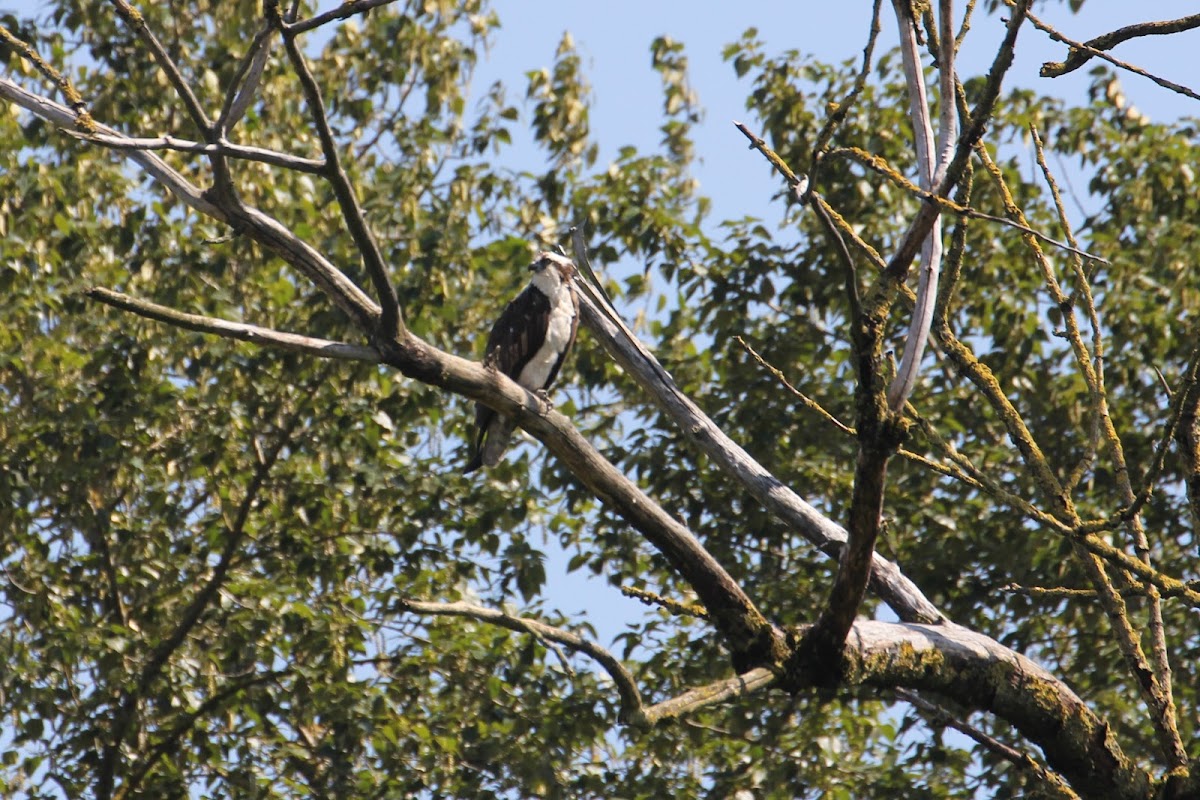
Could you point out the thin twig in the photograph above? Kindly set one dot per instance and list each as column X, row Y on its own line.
column 134, row 19
column 879, row 165
column 673, row 606
column 294, row 342
column 631, row 699
column 391, row 325
column 1020, row 758
column 842, row 109
column 82, row 118
column 155, row 167
column 805, row 400
column 222, row 148
column 1050, row 69
column 344, row 11
column 704, row 696
column 1080, row 56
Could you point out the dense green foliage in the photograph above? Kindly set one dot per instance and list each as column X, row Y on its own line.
column 133, row 455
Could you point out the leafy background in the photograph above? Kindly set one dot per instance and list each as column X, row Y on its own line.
column 133, row 454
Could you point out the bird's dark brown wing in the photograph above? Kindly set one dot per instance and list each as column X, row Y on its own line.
column 515, row 338
column 519, row 332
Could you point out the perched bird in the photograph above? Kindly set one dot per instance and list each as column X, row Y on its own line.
column 528, row 344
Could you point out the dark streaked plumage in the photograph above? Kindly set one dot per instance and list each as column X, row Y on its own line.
column 528, row 343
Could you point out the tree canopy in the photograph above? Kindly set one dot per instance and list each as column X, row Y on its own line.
column 908, row 476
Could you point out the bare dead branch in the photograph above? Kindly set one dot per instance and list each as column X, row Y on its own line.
column 137, row 23
column 344, row 11
column 710, row 695
column 296, row 343
column 1078, row 56
column 887, row 581
column 798, row 184
column 877, row 164
column 1022, row 760
column 842, row 110
column 82, row 118
column 154, row 166
column 390, row 323
column 631, row 699
column 805, row 400
column 922, row 223
column 245, row 82
column 667, row 604
column 219, row 148
column 1050, row 69
column 930, row 173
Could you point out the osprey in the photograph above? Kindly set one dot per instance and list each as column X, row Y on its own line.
column 528, row 344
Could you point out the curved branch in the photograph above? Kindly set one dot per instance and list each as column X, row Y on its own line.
column 1080, row 56
column 631, row 699
column 134, row 19
column 220, row 148
column 1050, row 69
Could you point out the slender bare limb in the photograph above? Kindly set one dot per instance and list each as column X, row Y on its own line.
column 887, row 581
column 343, row 11
column 1050, row 69
column 712, row 694
column 322, row 348
column 930, row 173
column 842, row 109
column 667, row 604
column 245, row 82
column 1021, row 759
column 134, row 19
column 1152, row 679
column 804, row 399
column 221, row 148
column 926, row 215
column 1078, row 56
column 798, row 184
column 154, row 166
column 1187, row 436
column 390, row 323
column 81, row 117
column 631, row 700
column 880, row 166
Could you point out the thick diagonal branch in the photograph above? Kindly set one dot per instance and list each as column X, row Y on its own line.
column 602, row 320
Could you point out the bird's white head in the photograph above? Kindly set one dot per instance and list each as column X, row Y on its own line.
column 551, row 271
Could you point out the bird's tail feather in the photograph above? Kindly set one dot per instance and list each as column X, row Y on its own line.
column 495, row 442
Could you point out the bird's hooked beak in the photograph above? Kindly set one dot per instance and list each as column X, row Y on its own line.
column 538, row 265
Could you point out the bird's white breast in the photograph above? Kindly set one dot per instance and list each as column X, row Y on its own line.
column 558, row 331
